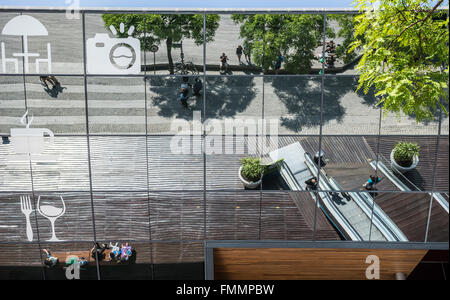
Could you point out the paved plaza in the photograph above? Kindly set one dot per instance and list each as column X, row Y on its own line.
column 118, row 106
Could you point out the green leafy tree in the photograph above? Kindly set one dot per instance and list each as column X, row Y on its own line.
column 159, row 28
column 293, row 36
column 405, row 46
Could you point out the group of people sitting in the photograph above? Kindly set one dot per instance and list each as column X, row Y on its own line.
column 123, row 254
column 117, row 254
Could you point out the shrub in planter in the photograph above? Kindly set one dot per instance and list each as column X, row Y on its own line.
column 404, row 153
column 251, row 169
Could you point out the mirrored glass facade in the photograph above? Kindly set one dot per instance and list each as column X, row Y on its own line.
column 135, row 133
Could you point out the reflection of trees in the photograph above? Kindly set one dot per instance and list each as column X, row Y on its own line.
column 293, row 36
column 345, row 31
column 155, row 28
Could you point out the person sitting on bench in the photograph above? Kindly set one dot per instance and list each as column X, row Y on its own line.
column 311, row 184
column 126, row 253
column 100, row 251
column 115, row 252
column 50, row 260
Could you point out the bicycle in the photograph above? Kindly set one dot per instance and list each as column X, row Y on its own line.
column 185, row 68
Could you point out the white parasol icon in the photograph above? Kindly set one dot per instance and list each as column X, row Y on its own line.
column 25, row 26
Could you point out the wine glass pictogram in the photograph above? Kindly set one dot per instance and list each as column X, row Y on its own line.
column 51, row 213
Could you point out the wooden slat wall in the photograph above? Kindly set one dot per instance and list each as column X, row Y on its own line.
column 310, row 264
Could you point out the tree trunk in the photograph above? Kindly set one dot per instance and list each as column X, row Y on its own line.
column 169, row 54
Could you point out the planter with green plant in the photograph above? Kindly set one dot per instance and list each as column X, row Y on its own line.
column 405, row 156
column 250, row 172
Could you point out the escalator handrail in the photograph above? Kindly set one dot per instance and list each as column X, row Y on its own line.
column 342, row 220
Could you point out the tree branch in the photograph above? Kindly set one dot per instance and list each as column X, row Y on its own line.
column 415, row 23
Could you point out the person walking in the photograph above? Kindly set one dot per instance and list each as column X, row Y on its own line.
column 247, row 54
column 278, row 62
column 186, row 84
column 183, row 97
column 49, row 79
column 224, row 63
column 239, row 51
column 198, row 86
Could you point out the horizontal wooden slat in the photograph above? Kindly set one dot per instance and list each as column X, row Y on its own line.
column 310, row 264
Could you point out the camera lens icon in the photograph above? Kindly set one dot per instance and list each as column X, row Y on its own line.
column 122, row 56
column 107, row 55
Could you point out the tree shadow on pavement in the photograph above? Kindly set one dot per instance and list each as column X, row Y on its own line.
column 436, row 114
column 164, row 95
column 301, row 97
column 225, row 97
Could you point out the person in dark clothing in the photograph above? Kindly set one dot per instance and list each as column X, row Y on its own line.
column 100, row 251
column 311, row 184
column 50, row 79
column 247, row 54
column 198, row 86
column 278, row 62
column 223, row 63
column 239, row 51
column 318, row 159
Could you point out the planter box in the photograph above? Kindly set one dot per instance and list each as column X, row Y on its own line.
column 396, row 167
column 248, row 184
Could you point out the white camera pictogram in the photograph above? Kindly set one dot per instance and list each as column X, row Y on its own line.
column 107, row 55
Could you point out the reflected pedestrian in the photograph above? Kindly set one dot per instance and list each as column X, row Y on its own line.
column 183, row 98
column 311, row 184
column 50, row 261
column 198, row 86
column 223, row 63
column 373, row 180
column 99, row 250
column 247, row 53
column 278, row 62
column 49, row 79
column 186, row 84
column 126, row 252
column 239, row 51
column 115, row 253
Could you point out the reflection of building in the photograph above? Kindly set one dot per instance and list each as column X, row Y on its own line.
column 126, row 184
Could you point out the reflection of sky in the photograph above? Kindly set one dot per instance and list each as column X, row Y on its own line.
column 190, row 4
